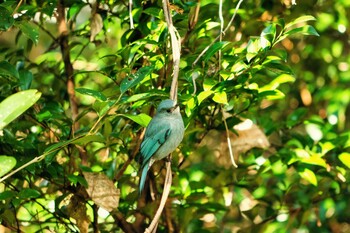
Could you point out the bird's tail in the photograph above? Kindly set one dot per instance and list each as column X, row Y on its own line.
column 143, row 177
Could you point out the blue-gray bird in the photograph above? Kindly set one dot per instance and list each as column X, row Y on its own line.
column 163, row 135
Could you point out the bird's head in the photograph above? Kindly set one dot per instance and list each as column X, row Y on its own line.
column 168, row 106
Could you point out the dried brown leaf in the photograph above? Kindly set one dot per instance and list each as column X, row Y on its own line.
column 102, row 191
column 249, row 136
column 96, row 25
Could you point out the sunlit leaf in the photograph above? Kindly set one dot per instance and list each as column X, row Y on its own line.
column 315, row 160
column 208, row 84
column 6, row 164
column 309, row 175
column 190, row 105
column 345, row 158
column 141, row 119
column 239, row 66
column 253, row 48
column 301, row 19
column 326, row 147
column 16, row 104
column 220, row 97
column 305, row 30
column 271, row 94
column 203, row 95
column 267, row 36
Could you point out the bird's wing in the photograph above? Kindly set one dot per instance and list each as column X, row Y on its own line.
column 152, row 142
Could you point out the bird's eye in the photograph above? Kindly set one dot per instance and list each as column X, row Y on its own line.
column 168, row 110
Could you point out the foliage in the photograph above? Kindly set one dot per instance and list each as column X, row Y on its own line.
column 93, row 82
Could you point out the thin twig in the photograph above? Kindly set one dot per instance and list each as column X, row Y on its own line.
column 228, row 140
column 175, row 47
column 219, row 68
column 130, row 15
column 221, row 17
column 17, row 7
column 218, row 37
column 35, row 160
column 167, row 185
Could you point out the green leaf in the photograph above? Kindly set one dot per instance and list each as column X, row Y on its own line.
column 153, row 11
column 268, row 36
column 138, row 97
column 304, row 30
column 345, row 158
column 326, row 147
column 141, row 119
column 239, row 66
column 101, row 107
column 271, row 94
column 6, row 69
column 253, row 48
column 77, row 179
column 29, row 30
column 203, row 95
column 133, row 79
column 29, row 193
column 283, row 78
column 208, row 84
column 215, row 48
column 190, row 105
column 315, row 160
column 96, row 94
column 220, row 97
column 25, row 79
column 300, row 20
column 6, row 164
column 296, row 117
column 6, row 19
column 89, row 138
column 7, row 194
column 309, row 176
column 59, row 145
column 16, row 104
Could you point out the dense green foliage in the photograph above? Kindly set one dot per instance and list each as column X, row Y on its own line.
column 78, row 84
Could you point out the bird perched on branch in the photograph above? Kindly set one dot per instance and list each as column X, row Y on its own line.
column 163, row 135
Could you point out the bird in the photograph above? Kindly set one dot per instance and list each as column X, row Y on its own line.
column 163, row 135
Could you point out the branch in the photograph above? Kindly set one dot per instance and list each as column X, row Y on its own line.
column 35, row 160
column 68, row 67
column 122, row 223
